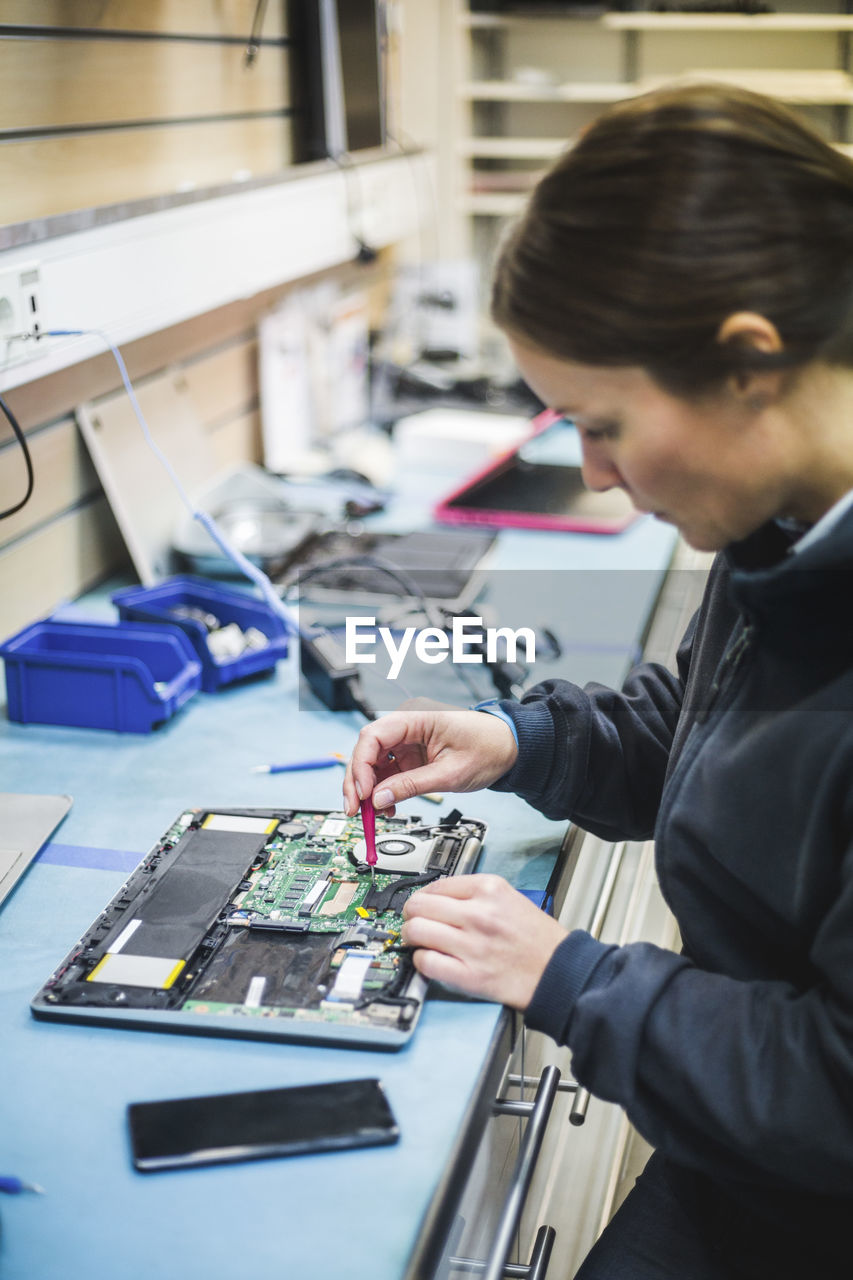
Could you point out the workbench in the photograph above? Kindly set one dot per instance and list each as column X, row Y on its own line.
column 377, row 1214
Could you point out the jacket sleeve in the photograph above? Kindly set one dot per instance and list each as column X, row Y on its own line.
column 723, row 1075
column 595, row 755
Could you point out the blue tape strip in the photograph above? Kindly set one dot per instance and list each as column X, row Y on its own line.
column 536, row 896
column 77, row 855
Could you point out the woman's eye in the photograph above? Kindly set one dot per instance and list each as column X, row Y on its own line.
column 607, row 431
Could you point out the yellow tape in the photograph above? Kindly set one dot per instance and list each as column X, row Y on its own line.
column 173, row 975
column 98, row 967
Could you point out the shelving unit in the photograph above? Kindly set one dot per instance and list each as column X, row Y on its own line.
column 820, row 88
column 529, row 83
column 760, row 23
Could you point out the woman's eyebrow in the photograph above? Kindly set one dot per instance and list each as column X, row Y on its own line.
column 590, row 419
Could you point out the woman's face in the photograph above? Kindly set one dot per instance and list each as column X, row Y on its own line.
column 715, row 468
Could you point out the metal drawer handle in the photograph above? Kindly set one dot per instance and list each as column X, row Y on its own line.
column 538, row 1112
column 535, row 1269
column 514, row 1107
column 606, row 894
column 577, row 1115
column 531, row 1082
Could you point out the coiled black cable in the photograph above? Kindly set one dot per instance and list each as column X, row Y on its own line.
column 22, row 441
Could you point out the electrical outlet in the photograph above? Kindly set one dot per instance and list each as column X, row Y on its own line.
column 20, row 313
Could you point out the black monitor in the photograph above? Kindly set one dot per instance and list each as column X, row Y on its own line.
column 336, row 77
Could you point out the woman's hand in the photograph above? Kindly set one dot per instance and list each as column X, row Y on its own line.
column 426, row 747
column 479, row 935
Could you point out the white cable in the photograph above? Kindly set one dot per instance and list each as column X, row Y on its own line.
column 251, row 571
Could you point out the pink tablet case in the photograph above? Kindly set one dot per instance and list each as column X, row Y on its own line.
column 452, row 509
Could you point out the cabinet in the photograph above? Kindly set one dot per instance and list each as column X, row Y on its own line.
column 586, row 1153
column 550, row 1161
column 528, row 83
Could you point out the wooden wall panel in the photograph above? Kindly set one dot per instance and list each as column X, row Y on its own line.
column 63, row 476
column 199, row 17
column 65, row 538
column 51, row 175
column 224, row 383
column 46, row 83
column 107, row 105
column 238, row 440
column 57, row 563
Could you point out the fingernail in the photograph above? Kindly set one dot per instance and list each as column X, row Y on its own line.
column 358, row 791
column 382, row 799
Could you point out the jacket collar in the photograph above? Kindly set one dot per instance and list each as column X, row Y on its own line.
column 796, row 595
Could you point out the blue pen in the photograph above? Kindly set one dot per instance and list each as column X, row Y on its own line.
column 294, row 766
column 14, row 1186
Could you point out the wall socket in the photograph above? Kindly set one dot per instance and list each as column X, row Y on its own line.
column 20, row 312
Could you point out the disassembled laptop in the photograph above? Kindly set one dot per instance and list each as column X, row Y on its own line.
column 264, row 923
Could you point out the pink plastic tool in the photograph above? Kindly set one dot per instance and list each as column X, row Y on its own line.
column 368, row 818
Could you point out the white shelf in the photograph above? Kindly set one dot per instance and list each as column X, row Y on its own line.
column 518, row 91
column 495, row 21
column 493, row 204
column 818, row 88
column 757, row 23
column 512, row 148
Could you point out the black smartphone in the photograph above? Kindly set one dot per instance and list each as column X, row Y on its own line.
column 183, row 1132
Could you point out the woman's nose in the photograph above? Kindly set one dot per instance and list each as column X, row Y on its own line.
column 598, row 471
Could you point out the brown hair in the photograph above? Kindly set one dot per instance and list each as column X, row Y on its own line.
column 674, row 210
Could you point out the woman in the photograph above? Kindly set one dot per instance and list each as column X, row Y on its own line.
column 682, row 286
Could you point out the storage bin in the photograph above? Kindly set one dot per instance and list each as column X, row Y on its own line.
column 155, row 604
column 127, row 677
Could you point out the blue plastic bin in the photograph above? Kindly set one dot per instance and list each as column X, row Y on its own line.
column 153, row 604
column 98, row 676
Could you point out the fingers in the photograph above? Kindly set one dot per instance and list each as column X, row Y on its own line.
column 402, row 767
column 481, row 886
column 450, row 901
column 446, row 908
column 355, row 791
column 406, row 785
column 442, row 952
column 440, row 968
column 482, row 936
column 449, row 917
column 434, row 750
column 377, row 742
column 456, row 897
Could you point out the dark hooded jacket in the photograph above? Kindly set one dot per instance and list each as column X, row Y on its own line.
column 735, row 1057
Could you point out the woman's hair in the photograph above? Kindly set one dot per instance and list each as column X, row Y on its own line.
column 674, row 210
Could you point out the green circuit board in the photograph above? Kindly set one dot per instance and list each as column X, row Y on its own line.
column 312, row 879
column 312, row 876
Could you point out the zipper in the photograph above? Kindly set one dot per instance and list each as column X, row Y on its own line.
column 729, row 664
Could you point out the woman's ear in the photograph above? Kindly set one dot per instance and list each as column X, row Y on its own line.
column 749, row 330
